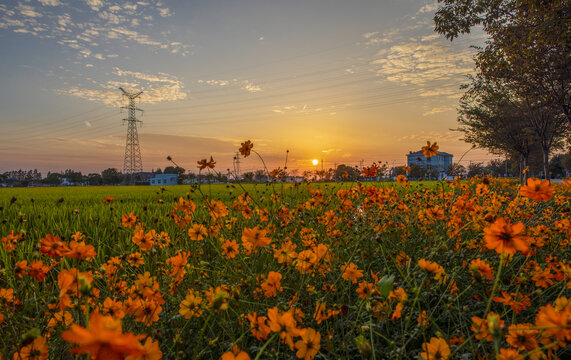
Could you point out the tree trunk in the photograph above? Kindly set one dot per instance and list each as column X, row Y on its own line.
column 546, row 174
column 521, row 167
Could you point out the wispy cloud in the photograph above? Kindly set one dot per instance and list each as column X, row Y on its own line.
column 160, row 87
column 49, row 2
column 438, row 136
column 105, row 23
column 246, row 85
column 437, row 110
column 428, row 8
column 307, row 109
column 419, row 63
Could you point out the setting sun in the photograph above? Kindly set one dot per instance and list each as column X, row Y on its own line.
column 315, row 161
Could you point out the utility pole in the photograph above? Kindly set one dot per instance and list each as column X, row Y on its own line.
column 132, row 162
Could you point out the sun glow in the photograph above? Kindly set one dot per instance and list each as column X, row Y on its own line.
column 315, row 161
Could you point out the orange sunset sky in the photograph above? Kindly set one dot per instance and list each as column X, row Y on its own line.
column 338, row 81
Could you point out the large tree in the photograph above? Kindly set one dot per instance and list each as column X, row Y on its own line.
column 528, row 45
column 491, row 118
column 527, row 54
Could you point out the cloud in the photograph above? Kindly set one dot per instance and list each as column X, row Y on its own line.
column 160, row 77
column 246, row 85
column 437, row 136
column 428, row 8
column 437, row 110
column 307, row 109
column 50, row 2
column 156, row 88
column 440, row 92
column 419, row 63
column 106, row 23
column 95, row 5
column 165, row 12
column 28, row 10
column 87, row 123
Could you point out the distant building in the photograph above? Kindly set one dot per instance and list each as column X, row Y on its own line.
column 438, row 163
column 164, row 179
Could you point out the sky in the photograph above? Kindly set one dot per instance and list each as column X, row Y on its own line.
column 345, row 82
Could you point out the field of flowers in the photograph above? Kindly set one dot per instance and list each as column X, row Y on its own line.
column 471, row 269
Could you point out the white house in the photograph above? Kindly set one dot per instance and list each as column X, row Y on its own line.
column 164, row 179
column 439, row 163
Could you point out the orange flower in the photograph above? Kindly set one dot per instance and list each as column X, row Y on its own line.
column 61, row 318
column 286, row 254
column 557, row 322
column 10, row 241
column 284, row 324
column 309, row 344
column 258, row 326
column 230, row 249
column 246, row 148
column 430, row 150
column 516, row 301
column 510, row 354
column 144, row 241
column 21, row 268
column 108, row 199
column 235, row 354
column 147, row 311
column 322, row 313
column 434, row 268
column 482, row 268
column 543, row 278
column 203, row 164
column 437, row 348
column 190, row 306
column 484, row 327
column 522, row 337
column 217, row 209
column 103, row 339
column 129, row 220
column 272, row 284
column 351, row 272
column 401, row 179
column 370, row 171
column 36, row 350
column 135, row 259
column 538, row 190
column 505, row 237
column 52, row 246
column 38, row 270
column 113, row 308
column 197, row 232
column 78, row 250
column 152, row 351
column 365, row 290
column 256, row 237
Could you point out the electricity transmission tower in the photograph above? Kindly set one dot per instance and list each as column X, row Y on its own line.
column 132, row 163
column 237, row 164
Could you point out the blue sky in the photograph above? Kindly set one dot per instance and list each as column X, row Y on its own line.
column 325, row 79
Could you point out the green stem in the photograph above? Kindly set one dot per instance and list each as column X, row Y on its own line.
column 265, row 346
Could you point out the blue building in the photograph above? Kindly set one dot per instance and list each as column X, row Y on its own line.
column 438, row 163
column 164, row 179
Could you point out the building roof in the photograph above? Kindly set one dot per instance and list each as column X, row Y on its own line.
column 418, row 153
column 164, row 176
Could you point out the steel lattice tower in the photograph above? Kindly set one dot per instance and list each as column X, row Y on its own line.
column 132, row 163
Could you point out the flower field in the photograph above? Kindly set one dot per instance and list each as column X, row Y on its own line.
column 472, row 269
